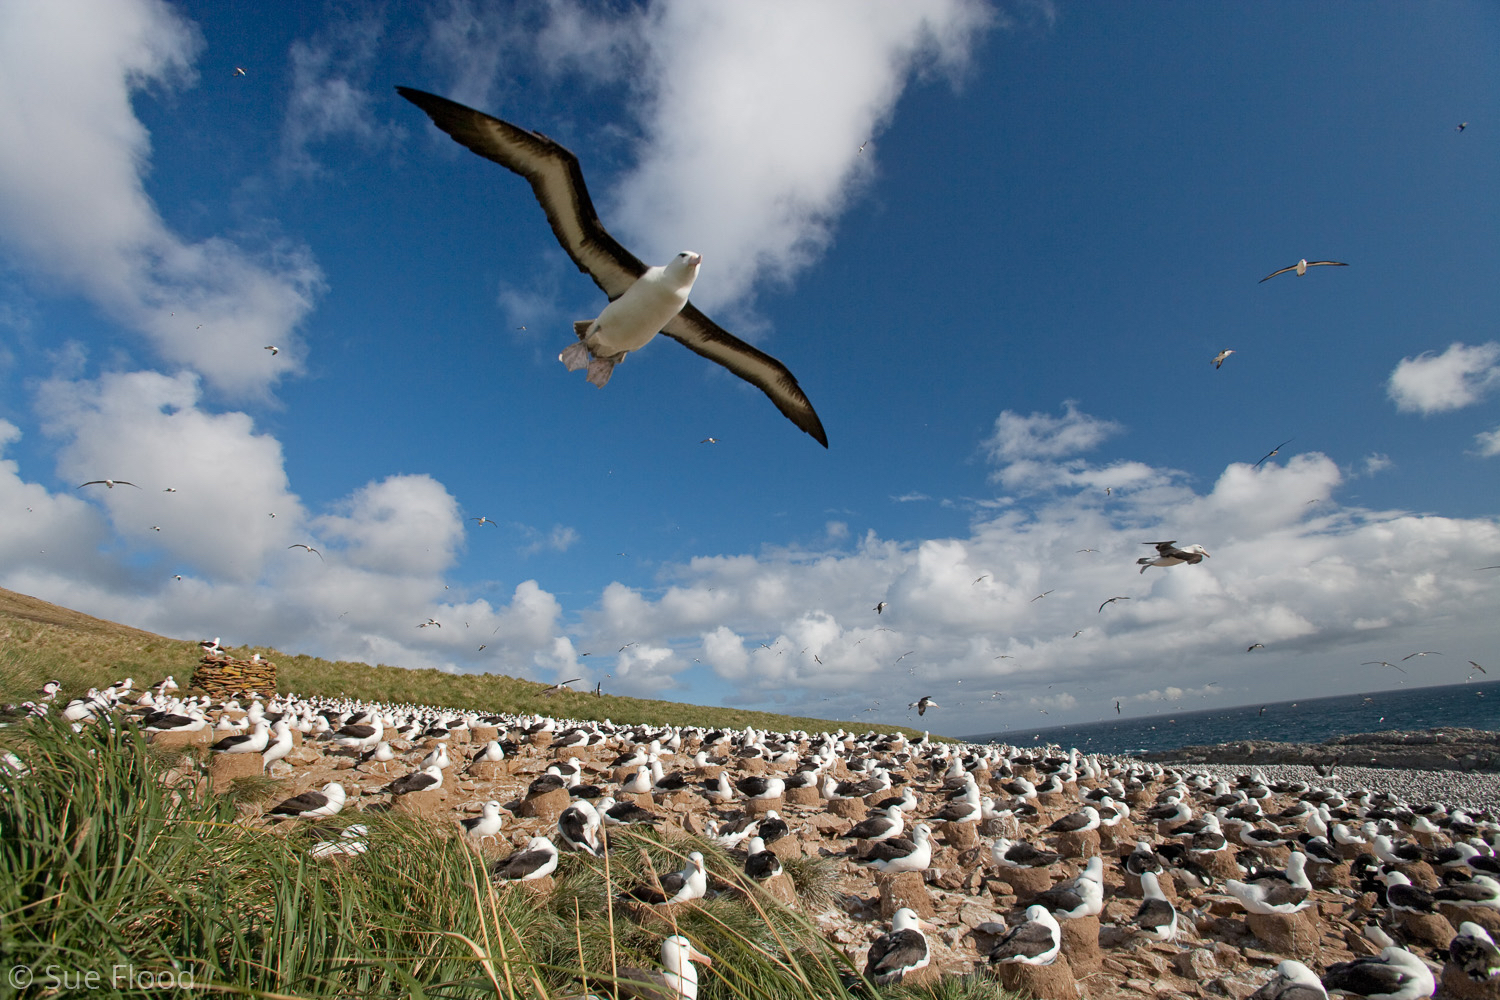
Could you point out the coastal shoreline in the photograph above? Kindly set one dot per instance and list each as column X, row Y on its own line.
column 1457, row 767
column 1437, row 749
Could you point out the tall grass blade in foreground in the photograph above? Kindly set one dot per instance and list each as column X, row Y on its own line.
column 113, row 853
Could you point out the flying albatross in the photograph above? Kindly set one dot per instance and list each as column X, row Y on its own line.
column 642, row 301
column 923, row 703
column 1301, row 267
column 1168, row 554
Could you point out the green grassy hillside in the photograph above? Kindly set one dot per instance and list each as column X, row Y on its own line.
column 41, row 642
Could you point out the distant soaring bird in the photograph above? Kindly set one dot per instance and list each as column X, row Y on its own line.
column 1380, row 663
column 1301, row 267
column 1273, row 452
column 111, row 483
column 1220, row 358
column 309, row 548
column 1460, row 126
column 642, row 301
column 1111, row 601
column 923, row 704
column 238, row 71
column 273, row 349
column 880, row 608
column 1168, row 554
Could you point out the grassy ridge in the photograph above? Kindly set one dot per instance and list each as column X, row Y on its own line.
column 116, row 861
column 41, row 642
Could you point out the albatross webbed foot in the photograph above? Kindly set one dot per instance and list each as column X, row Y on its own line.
column 575, row 356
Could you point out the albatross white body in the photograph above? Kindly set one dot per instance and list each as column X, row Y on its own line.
column 632, row 320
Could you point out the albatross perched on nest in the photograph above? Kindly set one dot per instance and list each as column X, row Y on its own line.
column 1396, row 974
column 643, row 301
column 1035, row 942
column 676, row 887
column 901, row 951
column 1292, row 981
column 678, row 979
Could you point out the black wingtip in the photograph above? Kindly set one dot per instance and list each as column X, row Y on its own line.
column 432, row 104
column 424, row 100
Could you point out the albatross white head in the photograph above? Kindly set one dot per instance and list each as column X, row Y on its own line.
column 677, row 958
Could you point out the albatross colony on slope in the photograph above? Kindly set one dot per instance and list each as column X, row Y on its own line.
column 642, row 301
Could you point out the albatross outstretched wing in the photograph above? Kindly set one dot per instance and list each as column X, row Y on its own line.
column 702, row 335
column 556, row 180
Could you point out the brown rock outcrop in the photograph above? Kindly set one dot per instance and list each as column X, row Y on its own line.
column 225, row 676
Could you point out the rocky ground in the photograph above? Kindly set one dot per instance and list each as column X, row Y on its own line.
column 1426, row 750
column 1220, row 951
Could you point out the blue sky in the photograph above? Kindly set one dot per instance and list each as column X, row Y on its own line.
column 1003, row 309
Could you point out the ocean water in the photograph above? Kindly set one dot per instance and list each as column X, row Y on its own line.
column 1311, row 720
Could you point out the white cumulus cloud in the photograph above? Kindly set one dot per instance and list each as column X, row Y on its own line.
column 331, row 92
column 964, row 622
column 73, row 200
column 1432, row 383
column 771, row 157
column 147, row 428
column 193, row 549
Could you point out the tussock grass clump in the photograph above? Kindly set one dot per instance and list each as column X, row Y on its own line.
column 816, row 880
column 974, row 987
column 252, row 788
column 111, row 858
